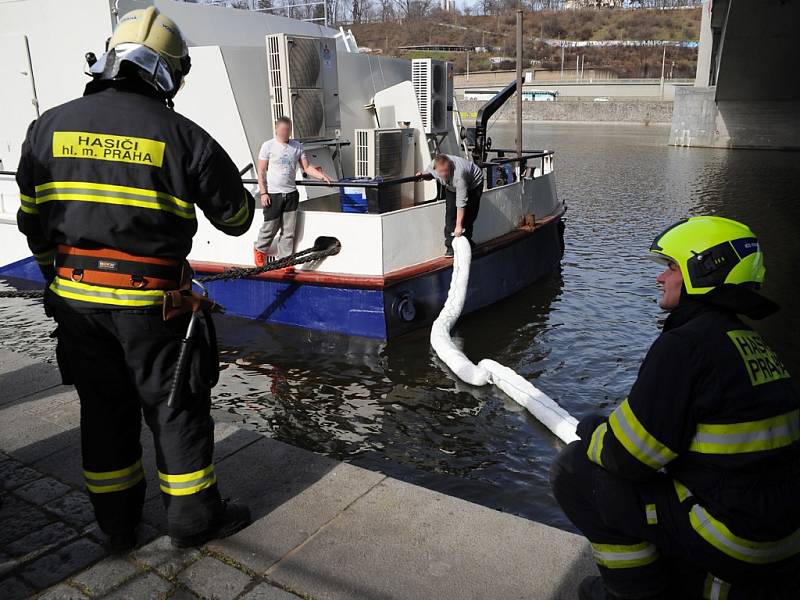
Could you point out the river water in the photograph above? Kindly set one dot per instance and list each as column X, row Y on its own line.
column 579, row 336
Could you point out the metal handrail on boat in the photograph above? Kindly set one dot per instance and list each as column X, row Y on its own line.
column 502, row 160
column 372, row 183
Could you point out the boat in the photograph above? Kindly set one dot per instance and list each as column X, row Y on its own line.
column 372, row 120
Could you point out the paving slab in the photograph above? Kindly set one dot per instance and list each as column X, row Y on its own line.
column 18, row 518
column 62, row 592
column 14, row 588
column 42, row 490
column 62, row 563
column 14, row 474
column 7, row 564
column 400, row 541
column 291, row 492
column 211, row 578
column 21, row 376
column 161, row 556
column 30, row 428
column 106, row 575
column 265, row 591
column 180, row 593
column 147, row 586
column 74, row 508
column 42, row 539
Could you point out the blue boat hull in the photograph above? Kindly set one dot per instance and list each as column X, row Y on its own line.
column 383, row 312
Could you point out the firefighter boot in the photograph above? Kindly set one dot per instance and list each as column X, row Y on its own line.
column 233, row 518
column 121, row 543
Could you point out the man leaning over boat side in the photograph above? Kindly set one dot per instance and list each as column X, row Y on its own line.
column 109, row 186
column 277, row 166
column 690, row 489
column 462, row 180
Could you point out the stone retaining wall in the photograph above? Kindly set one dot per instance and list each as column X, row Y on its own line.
column 620, row 111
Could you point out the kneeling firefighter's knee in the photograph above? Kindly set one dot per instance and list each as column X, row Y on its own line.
column 569, row 469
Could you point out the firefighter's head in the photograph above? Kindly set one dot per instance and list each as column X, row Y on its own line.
column 148, row 45
column 707, row 254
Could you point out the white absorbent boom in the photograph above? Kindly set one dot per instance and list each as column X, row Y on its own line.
column 536, row 402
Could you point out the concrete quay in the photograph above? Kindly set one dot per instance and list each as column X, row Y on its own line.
column 322, row 529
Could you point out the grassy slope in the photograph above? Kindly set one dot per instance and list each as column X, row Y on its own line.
column 498, row 32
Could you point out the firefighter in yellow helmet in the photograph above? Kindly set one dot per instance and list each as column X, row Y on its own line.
column 110, row 184
column 691, row 488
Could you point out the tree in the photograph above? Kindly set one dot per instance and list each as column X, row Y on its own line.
column 413, row 10
column 361, row 9
column 386, row 10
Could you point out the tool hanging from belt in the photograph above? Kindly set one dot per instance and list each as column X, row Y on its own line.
column 176, row 303
column 113, row 268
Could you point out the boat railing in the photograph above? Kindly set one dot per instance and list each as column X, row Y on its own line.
column 376, row 183
column 542, row 161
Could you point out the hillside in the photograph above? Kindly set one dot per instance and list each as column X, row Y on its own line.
column 497, row 33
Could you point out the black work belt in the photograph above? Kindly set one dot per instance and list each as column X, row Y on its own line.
column 113, row 268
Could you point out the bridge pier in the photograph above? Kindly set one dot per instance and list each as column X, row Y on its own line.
column 700, row 120
column 746, row 92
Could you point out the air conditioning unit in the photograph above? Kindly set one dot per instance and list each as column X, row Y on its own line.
column 303, row 84
column 387, row 153
column 433, row 85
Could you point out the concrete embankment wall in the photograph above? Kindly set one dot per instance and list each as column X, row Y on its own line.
column 644, row 112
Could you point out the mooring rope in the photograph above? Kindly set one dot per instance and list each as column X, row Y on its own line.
column 536, row 402
column 322, row 248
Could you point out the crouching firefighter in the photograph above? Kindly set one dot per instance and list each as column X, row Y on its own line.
column 691, row 487
column 110, row 183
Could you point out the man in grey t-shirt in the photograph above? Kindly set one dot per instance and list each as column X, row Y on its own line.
column 462, row 180
column 278, row 160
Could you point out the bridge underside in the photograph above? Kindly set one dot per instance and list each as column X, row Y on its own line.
column 747, row 91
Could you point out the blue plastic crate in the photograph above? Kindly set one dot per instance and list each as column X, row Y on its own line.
column 354, row 199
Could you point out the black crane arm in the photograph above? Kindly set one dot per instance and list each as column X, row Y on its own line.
column 484, row 114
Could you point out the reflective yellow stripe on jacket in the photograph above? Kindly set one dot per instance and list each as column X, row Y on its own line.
column 751, row 436
column 103, row 482
column 28, row 204
column 84, row 191
column 637, row 440
column 83, row 292
column 651, row 514
column 715, row 589
column 624, row 556
column 595, row 451
column 239, row 218
column 187, row 483
column 716, row 533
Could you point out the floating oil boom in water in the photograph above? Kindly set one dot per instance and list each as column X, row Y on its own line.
column 539, row 404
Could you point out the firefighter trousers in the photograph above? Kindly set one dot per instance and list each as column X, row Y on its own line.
column 643, row 542
column 121, row 363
